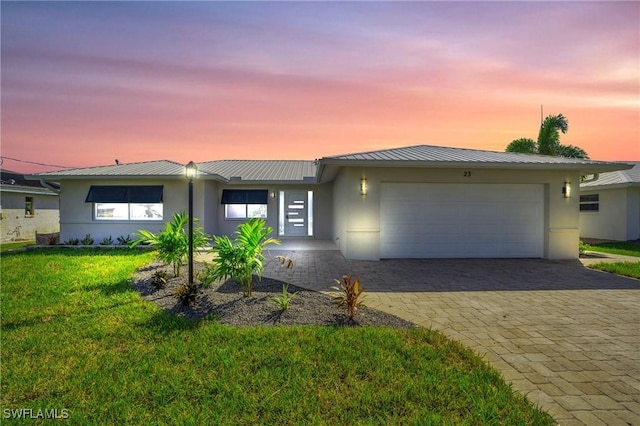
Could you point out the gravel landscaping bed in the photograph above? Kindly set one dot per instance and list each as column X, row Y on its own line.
column 226, row 302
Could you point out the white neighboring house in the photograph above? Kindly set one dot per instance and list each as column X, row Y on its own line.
column 610, row 206
column 27, row 207
column 412, row 202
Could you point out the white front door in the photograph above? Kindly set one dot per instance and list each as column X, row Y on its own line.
column 296, row 213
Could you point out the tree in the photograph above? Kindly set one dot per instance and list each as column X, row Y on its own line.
column 548, row 142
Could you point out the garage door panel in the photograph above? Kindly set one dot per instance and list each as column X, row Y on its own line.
column 457, row 220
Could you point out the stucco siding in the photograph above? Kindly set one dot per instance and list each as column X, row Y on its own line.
column 610, row 221
column 76, row 216
column 357, row 217
column 633, row 213
column 15, row 225
column 322, row 217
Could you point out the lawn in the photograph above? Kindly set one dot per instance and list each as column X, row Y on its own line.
column 628, row 269
column 617, row 247
column 76, row 337
column 14, row 245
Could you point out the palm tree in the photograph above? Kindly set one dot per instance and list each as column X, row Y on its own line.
column 548, row 140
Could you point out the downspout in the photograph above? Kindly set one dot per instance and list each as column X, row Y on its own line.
column 48, row 186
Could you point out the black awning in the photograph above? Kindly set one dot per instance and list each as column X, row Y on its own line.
column 124, row 194
column 245, row 196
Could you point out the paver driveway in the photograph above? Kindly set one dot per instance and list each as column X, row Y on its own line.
column 565, row 335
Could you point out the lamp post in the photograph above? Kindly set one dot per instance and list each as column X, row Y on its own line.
column 191, row 171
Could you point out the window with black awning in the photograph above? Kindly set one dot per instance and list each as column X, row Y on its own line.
column 125, row 194
column 245, row 196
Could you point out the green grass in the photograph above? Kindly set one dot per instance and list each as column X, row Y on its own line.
column 628, row 269
column 76, row 336
column 617, row 247
column 15, row 245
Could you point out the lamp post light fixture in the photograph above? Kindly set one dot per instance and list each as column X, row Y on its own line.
column 191, row 172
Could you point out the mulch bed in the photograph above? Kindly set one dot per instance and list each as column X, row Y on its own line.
column 226, row 302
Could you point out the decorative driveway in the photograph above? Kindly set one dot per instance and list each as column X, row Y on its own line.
column 566, row 336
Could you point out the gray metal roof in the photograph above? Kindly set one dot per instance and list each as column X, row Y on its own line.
column 224, row 170
column 161, row 168
column 446, row 155
column 314, row 171
column 620, row 178
column 261, row 170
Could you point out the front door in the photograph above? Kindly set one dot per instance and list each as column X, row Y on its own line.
column 295, row 213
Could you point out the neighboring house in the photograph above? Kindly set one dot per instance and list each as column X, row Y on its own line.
column 610, row 206
column 419, row 201
column 27, row 207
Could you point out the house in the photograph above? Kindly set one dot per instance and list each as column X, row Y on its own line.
column 27, row 207
column 417, row 201
column 610, row 205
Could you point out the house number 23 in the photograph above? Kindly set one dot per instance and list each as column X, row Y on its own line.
column 467, row 173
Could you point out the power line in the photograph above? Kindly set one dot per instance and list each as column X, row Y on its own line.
column 2, row 158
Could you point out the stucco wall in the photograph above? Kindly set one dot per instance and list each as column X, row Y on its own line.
column 15, row 225
column 76, row 216
column 618, row 217
column 322, row 196
column 357, row 217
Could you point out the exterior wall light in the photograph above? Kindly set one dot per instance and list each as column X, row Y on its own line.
column 273, row 194
column 363, row 186
column 566, row 190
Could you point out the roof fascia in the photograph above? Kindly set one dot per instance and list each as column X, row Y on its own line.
column 583, row 168
column 27, row 190
column 609, row 186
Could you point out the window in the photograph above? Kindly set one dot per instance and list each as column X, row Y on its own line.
column 590, row 203
column 111, row 202
column 126, row 211
column 28, row 206
column 245, row 211
column 245, row 203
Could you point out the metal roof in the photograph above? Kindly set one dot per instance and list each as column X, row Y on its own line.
column 314, row 171
column 447, row 155
column 224, row 170
column 620, row 178
column 16, row 182
column 161, row 168
column 261, row 170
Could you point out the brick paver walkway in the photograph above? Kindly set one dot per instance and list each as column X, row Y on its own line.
column 566, row 336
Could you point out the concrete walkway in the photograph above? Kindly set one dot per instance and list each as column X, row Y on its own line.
column 566, row 336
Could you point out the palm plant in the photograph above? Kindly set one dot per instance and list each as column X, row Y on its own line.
column 172, row 242
column 241, row 257
column 548, row 142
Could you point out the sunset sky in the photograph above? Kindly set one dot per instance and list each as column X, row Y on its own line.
column 84, row 83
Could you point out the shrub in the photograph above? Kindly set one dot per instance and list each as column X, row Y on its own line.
column 124, row 241
column 172, row 242
column 349, row 294
column 159, row 279
column 282, row 302
column 186, row 293
column 583, row 247
column 107, row 241
column 241, row 257
column 87, row 240
column 72, row 242
column 53, row 239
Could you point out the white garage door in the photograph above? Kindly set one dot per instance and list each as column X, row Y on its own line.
column 424, row 220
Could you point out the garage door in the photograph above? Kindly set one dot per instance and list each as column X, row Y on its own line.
column 420, row 220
